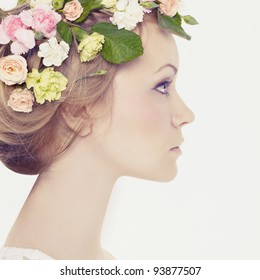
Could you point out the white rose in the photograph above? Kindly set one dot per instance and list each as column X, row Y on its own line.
column 169, row 7
column 13, row 69
column 21, row 100
column 72, row 10
column 53, row 53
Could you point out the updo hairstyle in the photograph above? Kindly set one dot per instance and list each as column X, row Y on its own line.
column 29, row 142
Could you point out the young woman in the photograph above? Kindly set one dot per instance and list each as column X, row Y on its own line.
column 125, row 123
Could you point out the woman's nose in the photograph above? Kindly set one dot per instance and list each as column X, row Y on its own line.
column 181, row 114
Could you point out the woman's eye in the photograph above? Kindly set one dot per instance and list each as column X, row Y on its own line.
column 164, row 86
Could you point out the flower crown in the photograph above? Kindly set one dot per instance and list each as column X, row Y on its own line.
column 52, row 26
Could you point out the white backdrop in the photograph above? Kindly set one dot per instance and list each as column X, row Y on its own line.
column 212, row 209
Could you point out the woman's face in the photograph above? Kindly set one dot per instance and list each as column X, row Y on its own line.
column 138, row 136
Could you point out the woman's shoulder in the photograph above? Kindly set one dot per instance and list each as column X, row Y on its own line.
column 14, row 253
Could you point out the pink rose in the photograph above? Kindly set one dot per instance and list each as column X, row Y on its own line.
column 72, row 10
column 45, row 20
column 14, row 29
column 13, row 69
column 11, row 24
column 21, row 100
column 169, row 7
column 25, row 37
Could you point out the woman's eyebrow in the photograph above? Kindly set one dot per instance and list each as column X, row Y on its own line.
column 168, row 65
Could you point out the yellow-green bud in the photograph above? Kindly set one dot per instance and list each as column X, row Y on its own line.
column 58, row 4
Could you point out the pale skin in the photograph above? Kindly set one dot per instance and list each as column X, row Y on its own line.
column 64, row 212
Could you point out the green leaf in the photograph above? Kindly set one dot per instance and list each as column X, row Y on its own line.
column 120, row 45
column 190, row 20
column 80, row 33
column 100, row 72
column 87, row 5
column 177, row 19
column 65, row 32
column 149, row 5
column 96, row 4
column 172, row 24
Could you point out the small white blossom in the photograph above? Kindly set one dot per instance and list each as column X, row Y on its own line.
column 121, row 5
column 53, row 53
column 128, row 14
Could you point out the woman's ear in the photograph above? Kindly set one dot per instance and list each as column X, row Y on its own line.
column 77, row 119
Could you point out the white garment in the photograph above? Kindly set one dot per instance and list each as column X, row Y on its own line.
column 13, row 253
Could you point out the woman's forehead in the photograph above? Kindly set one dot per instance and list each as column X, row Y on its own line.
column 159, row 49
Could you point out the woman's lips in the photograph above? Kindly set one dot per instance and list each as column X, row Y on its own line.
column 176, row 150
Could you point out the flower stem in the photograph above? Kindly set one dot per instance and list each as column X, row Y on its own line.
column 73, row 24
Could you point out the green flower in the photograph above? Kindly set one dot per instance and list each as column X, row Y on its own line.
column 33, row 78
column 47, row 85
column 90, row 46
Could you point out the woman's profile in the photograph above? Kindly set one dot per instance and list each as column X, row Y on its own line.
column 82, row 106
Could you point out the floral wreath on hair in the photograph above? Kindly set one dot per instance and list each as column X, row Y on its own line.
column 52, row 26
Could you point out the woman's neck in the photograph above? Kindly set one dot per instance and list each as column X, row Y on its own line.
column 64, row 212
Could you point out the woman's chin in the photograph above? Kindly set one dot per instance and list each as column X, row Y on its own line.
column 164, row 176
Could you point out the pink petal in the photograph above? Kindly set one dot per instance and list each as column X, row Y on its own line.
column 26, row 18
column 18, row 48
column 26, row 37
column 4, row 39
column 50, row 34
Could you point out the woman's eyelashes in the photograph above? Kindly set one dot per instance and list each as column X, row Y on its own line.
column 164, row 85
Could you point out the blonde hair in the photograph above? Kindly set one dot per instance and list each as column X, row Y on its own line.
column 30, row 141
